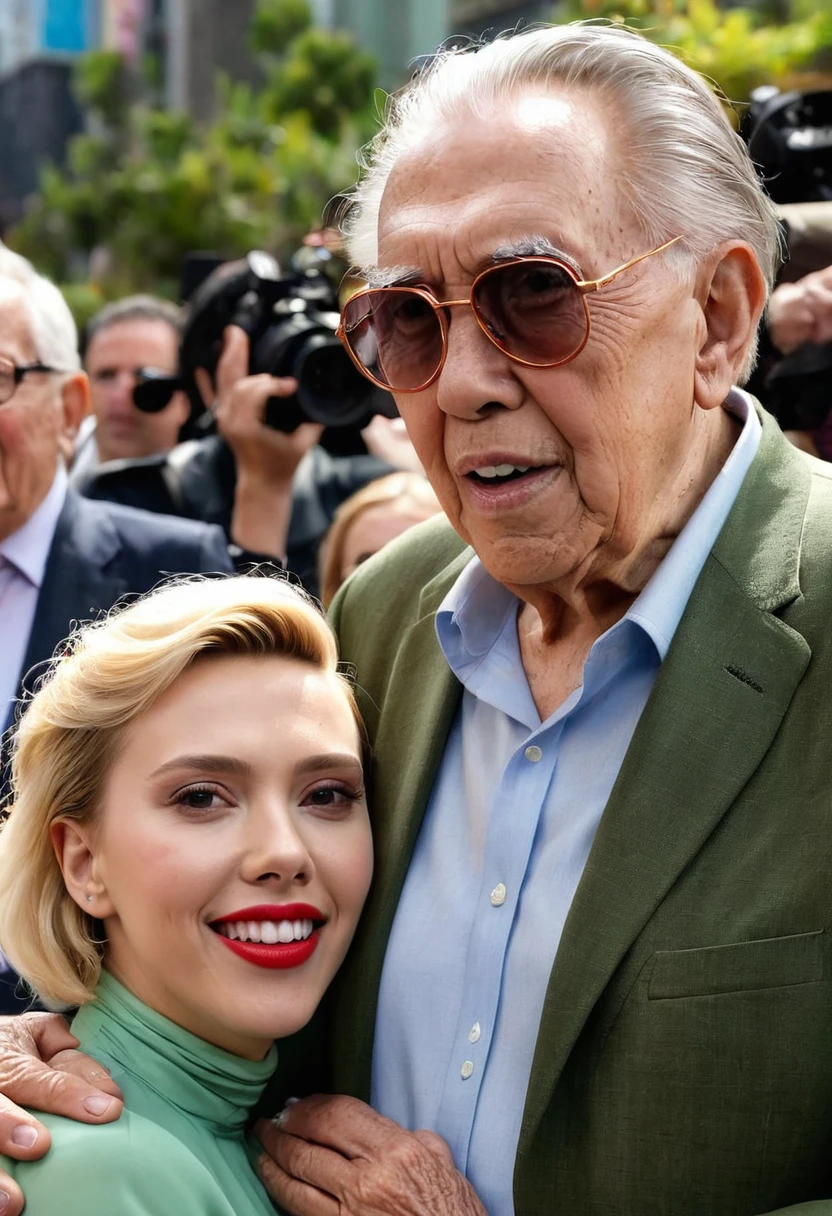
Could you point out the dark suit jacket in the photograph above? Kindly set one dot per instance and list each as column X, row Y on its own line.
column 101, row 552
column 197, row 480
column 684, row 1058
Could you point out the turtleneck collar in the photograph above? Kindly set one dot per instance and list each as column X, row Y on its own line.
column 210, row 1084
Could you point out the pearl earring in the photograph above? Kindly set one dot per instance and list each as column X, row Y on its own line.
column 89, row 899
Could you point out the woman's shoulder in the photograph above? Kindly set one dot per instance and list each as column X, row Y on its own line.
column 133, row 1166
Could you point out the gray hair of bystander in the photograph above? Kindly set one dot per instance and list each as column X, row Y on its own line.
column 54, row 332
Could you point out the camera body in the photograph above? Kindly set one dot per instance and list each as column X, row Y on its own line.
column 290, row 318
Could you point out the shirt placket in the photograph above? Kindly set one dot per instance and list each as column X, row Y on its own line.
column 513, row 822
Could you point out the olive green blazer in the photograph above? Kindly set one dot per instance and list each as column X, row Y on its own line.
column 684, row 1058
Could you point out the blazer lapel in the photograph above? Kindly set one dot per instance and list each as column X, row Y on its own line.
column 79, row 578
column 419, row 707
column 723, row 689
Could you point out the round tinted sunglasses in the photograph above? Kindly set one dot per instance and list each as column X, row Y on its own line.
column 533, row 309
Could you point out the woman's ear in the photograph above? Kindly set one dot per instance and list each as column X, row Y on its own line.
column 73, row 847
column 732, row 294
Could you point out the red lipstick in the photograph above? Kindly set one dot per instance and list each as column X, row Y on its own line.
column 278, row 955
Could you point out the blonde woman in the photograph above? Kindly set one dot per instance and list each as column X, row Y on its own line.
column 370, row 519
column 186, row 857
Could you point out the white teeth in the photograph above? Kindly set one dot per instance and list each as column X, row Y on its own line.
column 501, row 470
column 267, row 932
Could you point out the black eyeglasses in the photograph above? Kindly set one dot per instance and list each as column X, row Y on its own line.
column 11, row 375
column 533, row 309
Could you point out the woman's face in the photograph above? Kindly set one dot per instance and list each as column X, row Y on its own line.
column 232, row 854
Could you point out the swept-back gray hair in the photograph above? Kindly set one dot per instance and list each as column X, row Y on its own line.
column 54, row 332
column 683, row 169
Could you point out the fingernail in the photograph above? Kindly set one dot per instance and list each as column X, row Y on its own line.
column 4, row 1201
column 96, row 1105
column 290, row 1102
column 24, row 1135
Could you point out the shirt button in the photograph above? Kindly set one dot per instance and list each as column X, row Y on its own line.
column 475, row 1033
column 467, row 1069
column 533, row 753
column 498, row 895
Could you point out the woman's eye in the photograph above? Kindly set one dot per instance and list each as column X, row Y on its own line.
column 334, row 797
column 200, row 798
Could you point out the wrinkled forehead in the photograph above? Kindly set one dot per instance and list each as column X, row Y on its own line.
column 544, row 165
column 16, row 338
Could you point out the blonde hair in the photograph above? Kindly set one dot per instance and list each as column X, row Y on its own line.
column 396, row 490
column 72, row 730
column 683, row 169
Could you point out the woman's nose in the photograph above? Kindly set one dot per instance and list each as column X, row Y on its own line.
column 276, row 850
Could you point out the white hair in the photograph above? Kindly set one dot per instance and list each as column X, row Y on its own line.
column 682, row 168
column 54, row 333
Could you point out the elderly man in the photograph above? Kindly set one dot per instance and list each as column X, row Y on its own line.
column 61, row 558
column 596, row 959
column 122, row 339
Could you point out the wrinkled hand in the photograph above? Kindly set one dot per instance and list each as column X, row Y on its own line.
column 334, row 1156
column 261, row 453
column 39, row 1068
column 801, row 312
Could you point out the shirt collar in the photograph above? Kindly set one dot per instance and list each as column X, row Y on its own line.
column 473, row 614
column 28, row 548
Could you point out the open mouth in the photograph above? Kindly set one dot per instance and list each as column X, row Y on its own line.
column 267, row 932
column 499, row 474
column 272, row 940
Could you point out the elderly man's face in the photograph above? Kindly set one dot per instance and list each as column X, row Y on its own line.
column 37, row 424
column 600, row 435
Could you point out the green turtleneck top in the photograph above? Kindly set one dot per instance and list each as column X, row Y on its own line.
column 180, row 1145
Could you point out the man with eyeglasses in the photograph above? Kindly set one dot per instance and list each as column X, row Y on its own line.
column 593, row 975
column 62, row 558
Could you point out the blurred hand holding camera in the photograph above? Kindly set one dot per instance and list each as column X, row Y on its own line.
column 801, row 312
column 266, row 459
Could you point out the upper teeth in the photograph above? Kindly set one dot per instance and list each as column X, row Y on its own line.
column 501, row 470
column 269, row 932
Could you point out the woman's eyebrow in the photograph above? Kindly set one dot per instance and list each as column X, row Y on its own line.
column 204, row 764
column 313, row 764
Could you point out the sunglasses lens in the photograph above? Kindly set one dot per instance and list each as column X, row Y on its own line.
column 532, row 310
column 395, row 335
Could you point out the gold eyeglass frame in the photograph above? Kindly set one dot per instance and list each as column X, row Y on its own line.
column 584, row 286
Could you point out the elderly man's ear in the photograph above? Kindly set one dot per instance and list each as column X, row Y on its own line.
column 74, row 406
column 732, row 294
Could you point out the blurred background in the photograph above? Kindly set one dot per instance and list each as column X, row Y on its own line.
column 133, row 132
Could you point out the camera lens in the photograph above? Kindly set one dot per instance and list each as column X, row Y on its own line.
column 330, row 388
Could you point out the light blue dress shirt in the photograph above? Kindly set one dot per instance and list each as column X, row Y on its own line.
column 504, row 842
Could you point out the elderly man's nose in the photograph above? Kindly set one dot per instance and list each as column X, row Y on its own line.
column 476, row 377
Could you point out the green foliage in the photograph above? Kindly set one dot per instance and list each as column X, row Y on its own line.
column 738, row 48
column 145, row 186
column 276, row 23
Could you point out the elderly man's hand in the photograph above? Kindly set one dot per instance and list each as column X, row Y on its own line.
column 39, row 1068
column 334, row 1156
column 801, row 312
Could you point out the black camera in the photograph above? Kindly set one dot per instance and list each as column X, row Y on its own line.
column 789, row 137
column 290, row 319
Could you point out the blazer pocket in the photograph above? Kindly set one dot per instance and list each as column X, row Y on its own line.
column 773, row 962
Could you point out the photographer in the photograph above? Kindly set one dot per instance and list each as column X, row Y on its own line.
column 262, row 474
